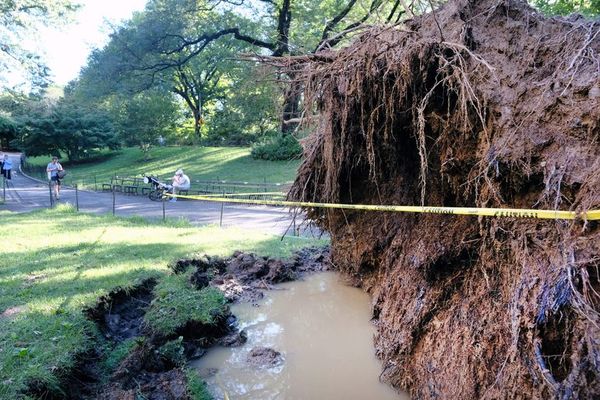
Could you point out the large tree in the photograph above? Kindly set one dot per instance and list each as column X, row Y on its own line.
column 185, row 45
column 135, row 61
column 278, row 28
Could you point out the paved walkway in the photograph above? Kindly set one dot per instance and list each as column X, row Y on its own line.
column 25, row 194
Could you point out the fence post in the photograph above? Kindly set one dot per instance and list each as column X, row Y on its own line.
column 4, row 189
column 113, row 196
column 77, row 197
column 295, row 233
column 164, row 210
column 50, row 192
column 222, row 208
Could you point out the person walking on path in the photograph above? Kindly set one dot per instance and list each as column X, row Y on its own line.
column 180, row 182
column 52, row 169
column 7, row 168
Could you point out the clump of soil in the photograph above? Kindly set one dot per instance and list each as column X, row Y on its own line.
column 145, row 373
column 264, row 357
column 77, row 382
column 481, row 103
column 244, row 276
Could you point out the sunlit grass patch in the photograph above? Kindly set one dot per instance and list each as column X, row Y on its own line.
column 200, row 163
column 58, row 262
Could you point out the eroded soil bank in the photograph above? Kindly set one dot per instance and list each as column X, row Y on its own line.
column 481, row 103
column 138, row 360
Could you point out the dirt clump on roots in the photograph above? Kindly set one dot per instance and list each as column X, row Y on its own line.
column 146, row 373
column 480, row 103
column 244, row 277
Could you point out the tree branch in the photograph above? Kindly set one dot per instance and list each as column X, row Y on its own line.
column 336, row 20
column 375, row 4
column 205, row 39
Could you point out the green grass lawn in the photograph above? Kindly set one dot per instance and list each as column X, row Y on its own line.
column 199, row 163
column 55, row 263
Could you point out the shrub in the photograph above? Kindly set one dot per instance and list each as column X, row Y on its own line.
column 281, row 147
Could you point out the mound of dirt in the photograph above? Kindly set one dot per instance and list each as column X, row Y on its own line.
column 244, row 276
column 480, row 103
column 143, row 374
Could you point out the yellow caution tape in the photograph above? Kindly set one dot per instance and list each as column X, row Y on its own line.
column 245, row 194
column 474, row 211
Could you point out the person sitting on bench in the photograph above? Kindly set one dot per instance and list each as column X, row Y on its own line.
column 180, row 182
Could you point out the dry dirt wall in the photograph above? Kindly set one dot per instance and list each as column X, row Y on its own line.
column 482, row 103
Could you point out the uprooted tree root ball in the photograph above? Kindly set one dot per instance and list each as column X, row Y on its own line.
column 480, row 103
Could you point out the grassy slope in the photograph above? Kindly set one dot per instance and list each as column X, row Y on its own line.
column 200, row 163
column 56, row 262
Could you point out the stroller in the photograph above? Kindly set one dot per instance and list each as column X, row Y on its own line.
column 159, row 189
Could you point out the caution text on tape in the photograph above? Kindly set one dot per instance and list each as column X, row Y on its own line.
column 473, row 211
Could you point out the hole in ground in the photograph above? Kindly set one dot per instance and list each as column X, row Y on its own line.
column 119, row 314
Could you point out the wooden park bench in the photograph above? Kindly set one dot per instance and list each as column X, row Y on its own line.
column 126, row 185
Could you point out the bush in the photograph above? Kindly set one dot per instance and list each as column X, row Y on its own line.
column 282, row 147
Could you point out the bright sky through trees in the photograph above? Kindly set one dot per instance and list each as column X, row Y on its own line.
column 68, row 47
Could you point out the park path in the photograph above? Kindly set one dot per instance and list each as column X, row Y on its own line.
column 25, row 194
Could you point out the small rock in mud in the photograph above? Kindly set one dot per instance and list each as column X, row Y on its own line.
column 231, row 289
column 194, row 352
column 235, row 339
column 264, row 357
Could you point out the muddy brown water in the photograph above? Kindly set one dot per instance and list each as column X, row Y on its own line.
column 322, row 329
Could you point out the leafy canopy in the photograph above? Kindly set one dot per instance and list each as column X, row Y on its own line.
column 66, row 129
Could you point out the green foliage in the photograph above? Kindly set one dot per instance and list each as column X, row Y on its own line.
column 145, row 116
column 281, row 147
column 248, row 108
column 116, row 355
column 65, row 128
column 589, row 8
column 192, row 47
column 173, row 351
column 8, row 131
column 196, row 387
column 178, row 302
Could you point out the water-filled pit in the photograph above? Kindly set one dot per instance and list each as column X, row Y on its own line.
column 323, row 331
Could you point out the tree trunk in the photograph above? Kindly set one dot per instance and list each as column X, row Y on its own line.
column 291, row 106
column 197, row 126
